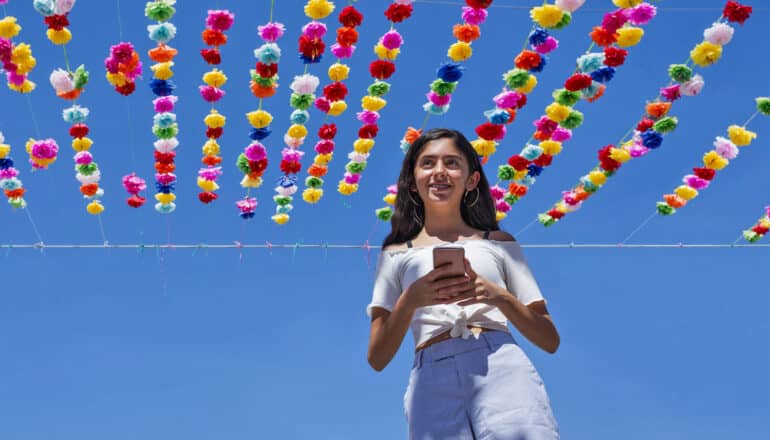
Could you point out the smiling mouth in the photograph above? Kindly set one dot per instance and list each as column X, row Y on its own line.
column 440, row 186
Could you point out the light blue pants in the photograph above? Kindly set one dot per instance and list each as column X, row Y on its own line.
column 485, row 389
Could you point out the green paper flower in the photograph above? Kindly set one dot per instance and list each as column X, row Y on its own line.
column 87, row 170
column 159, row 11
column 384, row 214
column 680, row 73
column 302, row 102
column 666, row 124
column 243, row 164
column 355, row 167
column 516, row 78
column 165, row 132
column 664, row 209
column 379, row 88
column 511, row 199
column 566, row 19
column 443, row 88
column 80, row 77
column 282, row 200
column 566, row 97
column 751, row 236
column 505, row 172
column 546, row 220
column 763, row 105
column 314, row 182
column 574, row 120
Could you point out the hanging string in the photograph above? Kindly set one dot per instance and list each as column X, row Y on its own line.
column 527, row 8
column 34, row 228
column 32, row 115
column 120, row 23
column 639, row 228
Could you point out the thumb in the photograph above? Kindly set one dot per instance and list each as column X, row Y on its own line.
column 469, row 270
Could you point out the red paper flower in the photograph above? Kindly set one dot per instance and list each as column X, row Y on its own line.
column 79, row 130
column 490, row 131
column 603, row 37
column 517, row 190
column 316, row 170
column 349, row 16
column 335, row 91
column 347, row 36
column 522, row 101
column 15, row 193
column 126, row 89
column 267, row 70
column 368, row 131
column 57, row 22
column 644, row 125
column 541, row 135
column 705, row 173
column 207, row 197
column 577, row 82
column 165, row 168
column 290, row 166
column 257, row 167
column 211, row 56
column 607, row 162
column 89, row 189
column 543, row 160
column 165, row 158
column 328, row 131
column 759, row 229
column 736, row 12
column 556, row 214
column 211, row 161
column 398, row 12
column 478, row 4
column 214, row 38
column 519, row 163
column 214, row 133
column 135, row 201
column 311, row 47
column 466, row 32
column 382, row 69
column 528, row 60
column 674, row 201
column 614, row 56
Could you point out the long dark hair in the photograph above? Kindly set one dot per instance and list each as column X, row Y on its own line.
column 408, row 218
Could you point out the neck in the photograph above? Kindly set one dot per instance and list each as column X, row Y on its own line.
column 446, row 223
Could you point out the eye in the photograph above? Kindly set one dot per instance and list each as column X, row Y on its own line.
column 426, row 162
column 452, row 162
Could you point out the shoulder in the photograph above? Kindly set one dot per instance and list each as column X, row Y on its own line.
column 395, row 247
column 501, row 236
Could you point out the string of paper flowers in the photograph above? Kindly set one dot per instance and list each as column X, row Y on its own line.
column 311, row 49
column 618, row 29
column 165, row 126
column 332, row 103
column 217, row 22
column 264, row 83
column 9, row 177
column 759, row 229
column 16, row 59
column 387, row 50
column 507, row 102
column 725, row 150
column 123, row 68
column 649, row 133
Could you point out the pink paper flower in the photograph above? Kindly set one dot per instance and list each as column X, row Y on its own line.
column 549, row 45
column 474, row 16
column 725, row 148
column 271, row 32
column 255, row 152
column 392, row 40
column 695, row 182
column 220, row 20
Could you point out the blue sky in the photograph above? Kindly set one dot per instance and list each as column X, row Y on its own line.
column 206, row 343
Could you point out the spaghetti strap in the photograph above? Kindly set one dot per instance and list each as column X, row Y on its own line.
column 486, row 235
column 409, row 243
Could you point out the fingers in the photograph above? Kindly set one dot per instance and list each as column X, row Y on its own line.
column 469, row 270
column 470, row 301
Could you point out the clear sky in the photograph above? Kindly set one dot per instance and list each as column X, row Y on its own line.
column 212, row 344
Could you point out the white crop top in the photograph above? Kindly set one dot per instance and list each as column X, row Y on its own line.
column 500, row 262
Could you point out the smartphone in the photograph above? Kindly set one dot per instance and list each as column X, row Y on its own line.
column 452, row 255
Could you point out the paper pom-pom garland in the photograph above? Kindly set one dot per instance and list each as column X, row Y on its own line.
column 647, row 136
column 725, row 150
column 311, row 49
column 759, row 229
column 9, row 177
column 217, row 22
column 381, row 69
column 123, row 68
column 332, row 103
column 619, row 29
column 165, row 126
column 15, row 59
column 264, row 83
column 55, row 13
column 385, row 213
column 134, row 185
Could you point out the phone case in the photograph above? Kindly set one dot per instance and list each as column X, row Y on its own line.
column 454, row 255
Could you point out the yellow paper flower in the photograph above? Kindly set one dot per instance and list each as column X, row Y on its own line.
column 26, row 87
column 620, row 155
column 25, row 64
column 248, row 182
column 499, row 216
column 82, row 144
column 214, row 120
column 339, row 72
column 484, row 147
column 686, row 192
column 9, row 28
column 384, row 53
column 551, row 148
column 259, row 118
column 562, row 207
column 215, row 78
column 162, row 70
column 116, row 79
column 21, row 54
column 59, row 37
column 373, row 103
column 626, row 3
column 740, row 136
column 319, row 9
column 629, row 36
column 323, row 159
column 547, row 15
column 529, row 86
column 390, row 199
column 95, row 208
column 557, row 112
column 312, row 195
column 297, row 131
column 211, row 148
column 765, row 222
column 518, row 175
column 347, row 188
column 598, row 178
column 713, row 160
column 460, row 51
column 706, row 54
column 337, row 108
column 165, row 198
column 207, row 185
column 5, row 150
column 363, row 146
column 281, row 219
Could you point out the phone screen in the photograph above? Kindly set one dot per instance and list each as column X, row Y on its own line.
column 452, row 255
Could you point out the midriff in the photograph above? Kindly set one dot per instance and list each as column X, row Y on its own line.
column 447, row 335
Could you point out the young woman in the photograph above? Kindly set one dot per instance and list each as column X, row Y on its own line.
column 470, row 379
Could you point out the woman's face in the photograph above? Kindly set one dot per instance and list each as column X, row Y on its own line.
column 442, row 174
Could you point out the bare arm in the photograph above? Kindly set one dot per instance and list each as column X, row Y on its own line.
column 387, row 333
column 532, row 321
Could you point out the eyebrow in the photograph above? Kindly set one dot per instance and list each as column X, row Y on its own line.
column 448, row 156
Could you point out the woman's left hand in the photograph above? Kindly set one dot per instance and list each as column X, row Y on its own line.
column 486, row 291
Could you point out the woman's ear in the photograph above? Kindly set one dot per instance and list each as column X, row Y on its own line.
column 473, row 181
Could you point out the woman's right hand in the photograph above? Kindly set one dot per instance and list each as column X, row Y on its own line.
column 425, row 290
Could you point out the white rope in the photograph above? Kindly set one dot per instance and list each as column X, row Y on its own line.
column 527, row 8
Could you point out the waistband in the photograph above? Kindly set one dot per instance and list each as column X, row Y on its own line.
column 444, row 349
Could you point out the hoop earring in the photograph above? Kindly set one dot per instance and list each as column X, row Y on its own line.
column 416, row 217
column 409, row 194
column 475, row 201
